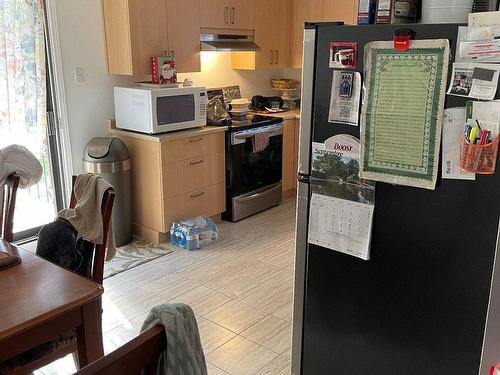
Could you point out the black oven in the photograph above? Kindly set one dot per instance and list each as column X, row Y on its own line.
column 253, row 176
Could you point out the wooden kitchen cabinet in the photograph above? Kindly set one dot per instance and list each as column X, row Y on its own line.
column 290, row 155
column 136, row 30
column 273, row 26
column 303, row 11
column 175, row 176
column 183, row 31
column 318, row 11
column 341, row 10
column 227, row 14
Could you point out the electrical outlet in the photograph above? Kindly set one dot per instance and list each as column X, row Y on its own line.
column 79, row 75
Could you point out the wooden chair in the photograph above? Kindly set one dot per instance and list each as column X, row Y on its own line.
column 140, row 354
column 99, row 250
column 66, row 343
column 8, row 207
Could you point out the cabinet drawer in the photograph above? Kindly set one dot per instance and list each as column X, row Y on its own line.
column 208, row 201
column 192, row 174
column 192, row 147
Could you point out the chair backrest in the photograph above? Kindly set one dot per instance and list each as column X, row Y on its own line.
column 100, row 250
column 141, row 353
column 8, row 207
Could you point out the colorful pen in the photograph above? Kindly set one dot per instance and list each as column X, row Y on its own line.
column 472, row 135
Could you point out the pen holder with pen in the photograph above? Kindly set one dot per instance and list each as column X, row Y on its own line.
column 479, row 159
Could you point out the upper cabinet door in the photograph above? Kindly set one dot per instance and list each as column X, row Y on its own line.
column 242, row 14
column 215, row 14
column 184, row 34
column 282, row 42
column 341, row 10
column 265, row 31
column 304, row 11
column 135, row 30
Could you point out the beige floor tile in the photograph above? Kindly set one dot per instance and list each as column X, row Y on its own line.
column 232, row 284
column 240, row 356
column 212, row 335
column 258, row 270
column 192, row 295
column 287, row 353
column 236, row 316
column 169, row 287
column 134, row 303
column 209, row 303
column 269, row 298
column 283, row 277
column 272, row 333
column 279, row 366
column 285, row 312
column 212, row 370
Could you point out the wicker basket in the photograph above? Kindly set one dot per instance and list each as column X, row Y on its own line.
column 285, row 84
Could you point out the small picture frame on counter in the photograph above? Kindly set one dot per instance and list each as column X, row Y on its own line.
column 163, row 70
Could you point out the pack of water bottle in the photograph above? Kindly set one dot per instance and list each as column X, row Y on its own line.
column 193, row 234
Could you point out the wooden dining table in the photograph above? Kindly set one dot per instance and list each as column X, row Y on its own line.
column 40, row 300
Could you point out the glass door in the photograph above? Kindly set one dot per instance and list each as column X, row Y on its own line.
column 26, row 109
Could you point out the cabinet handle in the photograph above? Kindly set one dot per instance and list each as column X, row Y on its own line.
column 277, row 56
column 197, row 162
column 232, row 15
column 226, row 14
column 272, row 57
column 197, row 194
column 195, row 140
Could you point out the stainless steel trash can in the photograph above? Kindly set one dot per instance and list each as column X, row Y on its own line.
column 109, row 158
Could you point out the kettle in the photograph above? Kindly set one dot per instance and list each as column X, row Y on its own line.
column 217, row 113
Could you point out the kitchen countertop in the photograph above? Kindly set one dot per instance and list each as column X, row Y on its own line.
column 289, row 115
column 163, row 137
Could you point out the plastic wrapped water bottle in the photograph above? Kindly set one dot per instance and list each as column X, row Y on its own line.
column 193, row 234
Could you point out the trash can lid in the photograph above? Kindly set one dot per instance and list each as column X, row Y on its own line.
column 105, row 149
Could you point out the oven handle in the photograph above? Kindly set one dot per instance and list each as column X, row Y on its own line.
column 246, row 136
column 259, row 193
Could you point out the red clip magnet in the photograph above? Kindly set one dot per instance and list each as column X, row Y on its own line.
column 402, row 39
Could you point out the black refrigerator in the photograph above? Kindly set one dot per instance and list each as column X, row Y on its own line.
column 428, row 300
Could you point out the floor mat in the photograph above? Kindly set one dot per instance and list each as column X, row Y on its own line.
column 132, row 255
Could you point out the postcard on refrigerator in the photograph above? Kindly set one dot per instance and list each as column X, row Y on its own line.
column 345, row 97
column 453, row 134
column 343, row 55
column 403, row 111
column 474, row 80
column 342, row 204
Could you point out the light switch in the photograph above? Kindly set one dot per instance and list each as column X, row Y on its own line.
column 79, row 75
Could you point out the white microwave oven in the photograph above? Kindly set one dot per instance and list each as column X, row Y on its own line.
column 159, row 110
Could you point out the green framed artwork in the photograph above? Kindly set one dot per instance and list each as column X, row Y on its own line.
column 403, row 112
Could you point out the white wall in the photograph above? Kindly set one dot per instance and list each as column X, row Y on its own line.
column 90, row 104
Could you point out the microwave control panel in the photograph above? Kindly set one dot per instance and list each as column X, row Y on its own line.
column 203, row 106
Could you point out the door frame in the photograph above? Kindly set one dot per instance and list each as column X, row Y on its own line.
column 59, row 92
column 57, row 122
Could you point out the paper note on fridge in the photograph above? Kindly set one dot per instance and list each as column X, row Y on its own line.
column 480, row 50
column 474, row 80
column 453, row 133
column 342, row 204
column 344, row 98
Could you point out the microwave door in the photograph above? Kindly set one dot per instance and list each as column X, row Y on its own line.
column 175, row 110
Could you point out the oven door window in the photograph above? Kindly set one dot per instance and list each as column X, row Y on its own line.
column 175, row 109
column 256, row 170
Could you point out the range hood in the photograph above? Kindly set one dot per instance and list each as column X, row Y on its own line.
column 227, row 42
